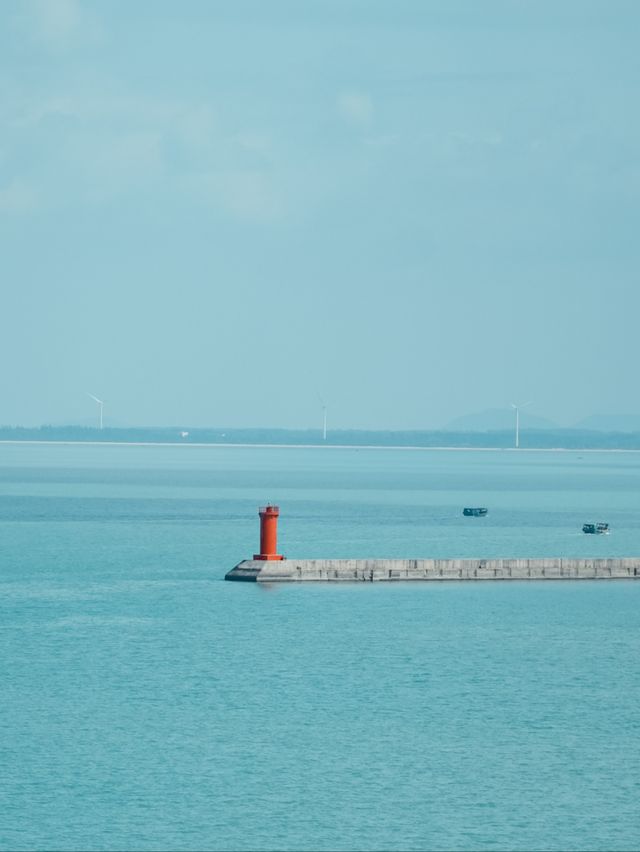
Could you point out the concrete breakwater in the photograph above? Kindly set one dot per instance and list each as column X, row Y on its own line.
column 432, row 570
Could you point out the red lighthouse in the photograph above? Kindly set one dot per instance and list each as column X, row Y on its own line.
column 268, row 533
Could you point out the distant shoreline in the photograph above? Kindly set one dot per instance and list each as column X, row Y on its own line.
column 408, row 439
column 327, row 446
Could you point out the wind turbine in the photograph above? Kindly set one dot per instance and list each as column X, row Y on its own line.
column 100, row 403
column 517, row 408
column 324, row 418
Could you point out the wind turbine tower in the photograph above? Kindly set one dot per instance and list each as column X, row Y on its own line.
column 324, row 417
column 517, row 408
column 100, row 404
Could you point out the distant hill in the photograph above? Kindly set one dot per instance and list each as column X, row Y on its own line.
column 611, row 423
column 498, row 419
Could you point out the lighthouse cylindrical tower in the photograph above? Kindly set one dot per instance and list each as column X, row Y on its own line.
column 268, row 533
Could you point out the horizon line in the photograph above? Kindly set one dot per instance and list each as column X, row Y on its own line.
column 375, row 430
column 331, row 446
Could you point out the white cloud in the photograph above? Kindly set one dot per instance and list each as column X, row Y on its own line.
column 244, row 194
column 57, row 23
column 251, row 194
column 55, row 20
column 356, row 108
column 384, row 141
column 491, row 139
column 114, row 165
column 259, row 143
column 107, row 145
column 26, row 115
column 196, row 126
column 18, row 197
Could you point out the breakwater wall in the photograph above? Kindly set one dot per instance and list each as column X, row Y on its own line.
column 432, row 570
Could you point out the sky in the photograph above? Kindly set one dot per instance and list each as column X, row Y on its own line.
column 234, row 212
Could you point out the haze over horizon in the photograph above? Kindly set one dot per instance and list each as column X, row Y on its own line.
column 235, row 212
column 491, row 420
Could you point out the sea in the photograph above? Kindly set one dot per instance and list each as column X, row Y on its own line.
column 147, row 704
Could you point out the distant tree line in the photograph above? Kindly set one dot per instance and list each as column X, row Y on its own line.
column 570, row 439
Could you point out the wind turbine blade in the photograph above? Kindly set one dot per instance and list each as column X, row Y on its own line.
column 95, row 398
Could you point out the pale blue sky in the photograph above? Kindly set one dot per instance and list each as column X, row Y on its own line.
column 214, row 211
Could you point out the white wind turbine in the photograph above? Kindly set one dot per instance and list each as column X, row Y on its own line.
column 324, row 418
column 100, row 403
column 517, row 408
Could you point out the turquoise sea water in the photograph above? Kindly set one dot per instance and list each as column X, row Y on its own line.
column 147, row 704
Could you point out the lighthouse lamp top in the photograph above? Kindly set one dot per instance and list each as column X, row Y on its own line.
column 269, row 510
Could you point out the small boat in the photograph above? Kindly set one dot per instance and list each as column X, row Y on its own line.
column 475, row 512
column 596, row 529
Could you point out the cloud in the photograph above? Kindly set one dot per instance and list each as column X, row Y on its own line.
column 23, row 114
column 55, row 20
column 117, row 164
column 492, row 138
column 56, row 23
column 195, row 125
column 244, row 194
column 259, row 143
column 384, row 141
column 356, row 108
column 18, row 197
column 95, row 147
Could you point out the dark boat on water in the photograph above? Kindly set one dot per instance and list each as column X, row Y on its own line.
column 596, row 529
column 475, row 512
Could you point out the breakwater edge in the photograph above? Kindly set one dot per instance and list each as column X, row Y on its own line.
column 432, row 570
